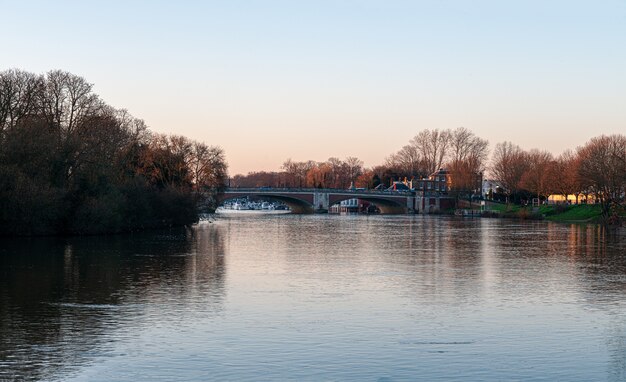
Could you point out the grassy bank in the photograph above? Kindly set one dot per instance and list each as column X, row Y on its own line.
column 585, row 213
column 558, row 213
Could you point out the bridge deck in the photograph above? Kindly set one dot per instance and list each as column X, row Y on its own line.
column 319, row 190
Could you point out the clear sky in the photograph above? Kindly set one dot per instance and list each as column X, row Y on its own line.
column 271, row 80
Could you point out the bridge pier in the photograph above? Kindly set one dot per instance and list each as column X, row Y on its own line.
column 321, row 202
column 410, row 205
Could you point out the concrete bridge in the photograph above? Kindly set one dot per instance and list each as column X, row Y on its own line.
column 312, row 200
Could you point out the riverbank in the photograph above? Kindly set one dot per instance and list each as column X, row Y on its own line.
column 581, row 213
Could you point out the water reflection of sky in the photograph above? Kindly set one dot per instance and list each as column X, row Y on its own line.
column 319, row 297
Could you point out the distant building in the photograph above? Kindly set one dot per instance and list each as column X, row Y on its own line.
column 431, row 194
column 572, row 199
column 438, row 182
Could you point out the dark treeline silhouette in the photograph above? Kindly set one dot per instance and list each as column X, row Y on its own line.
column 70, row 163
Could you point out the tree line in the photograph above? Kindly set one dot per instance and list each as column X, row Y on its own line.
column 70, row 163
column 332, row 173
column 459, row 150
column 596, row 169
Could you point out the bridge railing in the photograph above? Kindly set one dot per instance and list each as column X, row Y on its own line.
column 322, row 190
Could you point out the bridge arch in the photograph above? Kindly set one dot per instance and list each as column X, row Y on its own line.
column 386, row 205
column 304, row 201
column 296, row 203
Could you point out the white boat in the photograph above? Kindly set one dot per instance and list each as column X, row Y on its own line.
column 240, row 206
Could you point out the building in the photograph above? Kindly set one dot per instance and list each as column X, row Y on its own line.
column 572, row 199
column 438, row 182
column 431, row 194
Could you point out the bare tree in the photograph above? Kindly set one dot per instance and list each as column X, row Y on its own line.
column 135, row 127
column 535, row 179
column 289, row 168
column 303, row 169
column 354, row 168
column 296, row 172
column 338, row 173
column 257, row 179
column 466, row 146
column 467, row 159
column 508, row 165
column 18, row 96
column 562, row 175
column 602, row 169
column 425, row 154
column 408, row 161
column 66, row 100
column 208, row 167
column 433, row 146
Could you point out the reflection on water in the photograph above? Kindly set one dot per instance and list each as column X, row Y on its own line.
column 318, row 298
column 64, row 300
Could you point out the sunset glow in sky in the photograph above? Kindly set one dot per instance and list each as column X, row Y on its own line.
column 271, row 80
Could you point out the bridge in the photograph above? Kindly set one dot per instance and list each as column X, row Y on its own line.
column 315, row 200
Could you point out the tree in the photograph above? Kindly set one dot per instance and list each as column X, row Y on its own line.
column 602, row 169
column 508, row 165
column 367, row 179
column 467, row 159
column 384, row 175
column 66, row 100
column 208, row 167
column 432, row 146
column 257, row 179
column 562, row 174
column 69, row 163
column 339, row 177
column 425, row 154
column 319, row 176
column 296, row 172
column 354, row 168
column 19, row 91
column 536, row 177
column 408, row 161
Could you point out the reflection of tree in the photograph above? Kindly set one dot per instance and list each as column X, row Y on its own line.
column 426, row 255
column 448, row 255
column 556, row 263
column 616, row 344
column 61, row 299
column 599, row 253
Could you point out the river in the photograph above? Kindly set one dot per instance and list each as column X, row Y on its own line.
column 318, row 297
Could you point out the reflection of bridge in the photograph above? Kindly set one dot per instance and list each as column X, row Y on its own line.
column 310, row 200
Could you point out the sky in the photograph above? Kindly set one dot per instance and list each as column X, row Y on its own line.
column 308, row 80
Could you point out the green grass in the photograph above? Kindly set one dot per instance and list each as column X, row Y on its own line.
column 582, row 212
column 504, row 208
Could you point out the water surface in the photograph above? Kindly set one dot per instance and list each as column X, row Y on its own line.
column 286, row 297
